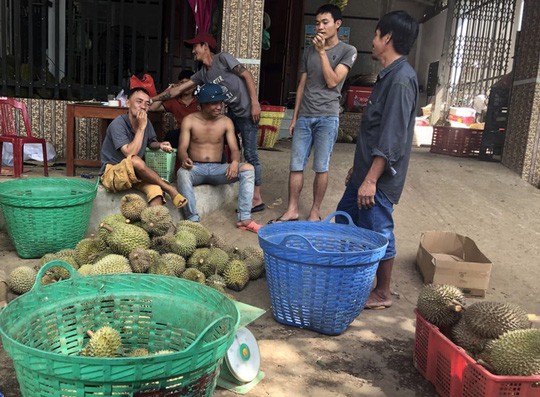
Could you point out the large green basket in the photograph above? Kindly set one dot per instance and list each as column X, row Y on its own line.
column 44, row 330
column 46, row 214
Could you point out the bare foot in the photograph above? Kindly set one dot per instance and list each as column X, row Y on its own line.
column 378, row 301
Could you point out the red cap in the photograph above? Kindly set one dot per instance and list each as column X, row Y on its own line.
column 202, row 37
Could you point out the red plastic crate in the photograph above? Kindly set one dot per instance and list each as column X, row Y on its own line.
column 459, row 142
column 455, row 374
column 357, row 98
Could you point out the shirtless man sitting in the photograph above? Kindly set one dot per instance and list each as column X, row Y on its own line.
column 200, row 150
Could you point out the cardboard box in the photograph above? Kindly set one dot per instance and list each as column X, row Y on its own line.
column 450, row 258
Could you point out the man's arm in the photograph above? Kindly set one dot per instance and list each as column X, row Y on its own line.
column 134, row 146
column 183, row 143
column 230, row 136
column 366, row 191
column 297, row 101
column 174, row 91
column 242, row 72
column 332, row 77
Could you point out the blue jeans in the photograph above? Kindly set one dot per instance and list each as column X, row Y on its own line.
column 248, row 131
column 214, row 174
column 377, row 218
column 319, row 133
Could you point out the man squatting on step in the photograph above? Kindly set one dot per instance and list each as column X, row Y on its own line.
column 200, row 151
column 122, row 164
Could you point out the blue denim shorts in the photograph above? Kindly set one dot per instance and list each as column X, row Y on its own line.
column 319, row 133
column 378, row 218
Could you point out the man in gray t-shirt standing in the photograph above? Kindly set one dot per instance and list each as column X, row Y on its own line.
column 315, row 120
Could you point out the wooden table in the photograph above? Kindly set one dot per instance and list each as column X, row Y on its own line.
column 97, row 111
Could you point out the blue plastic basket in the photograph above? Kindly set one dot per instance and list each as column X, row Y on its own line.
column 320, row 273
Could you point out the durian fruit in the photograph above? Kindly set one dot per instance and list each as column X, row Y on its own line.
column 160, row 267
column 186, row 243
column 514, row 353
column 105, row 342
column 124, row 238
column 140, row 260
column 131, row 206
column 162, row 244
column 58, row 272
column 255, row 267
column 175, row 263
column 234, row 252
column 87, row 250
column 48, row 279
column 215, row 262
column 492, row 319
column 112, row 264
column 194, row 275
column 111, row 220
column 217, row 282
column 463, row 336
column 441, row 304
column 202, row 234
column 86, row 270
column 250, row 252
column 198, row 257
column 236, row 275
column 139, row 352
column 217, row 241
column 156, row 220
column 21, row 279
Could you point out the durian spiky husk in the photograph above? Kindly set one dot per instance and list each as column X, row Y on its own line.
column 21, row 279
column 464, row 337
column 112, row 264
column 156, row 220
column 515, row 353
column 105, row 342
column 202, row 234
column 441, row 304
column 236, row 275
column 131, row 206
column 492, row 319
column 194, row 275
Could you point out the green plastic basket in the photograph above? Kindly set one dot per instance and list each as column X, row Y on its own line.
column 46, row 214
column 161, row 162
column 44, row 330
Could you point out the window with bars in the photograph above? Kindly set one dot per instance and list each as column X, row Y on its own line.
column 77, row 49
column 479, row 53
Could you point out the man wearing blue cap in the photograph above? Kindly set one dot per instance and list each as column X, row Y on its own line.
column 200, row 150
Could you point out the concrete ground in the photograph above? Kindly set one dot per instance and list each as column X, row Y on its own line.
column 482, row 200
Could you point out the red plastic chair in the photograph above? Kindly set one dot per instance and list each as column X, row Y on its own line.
column 9, row 133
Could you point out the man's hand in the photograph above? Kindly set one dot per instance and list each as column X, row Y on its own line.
column 319, row 41
column 187, row 164
column 166, row 147
column 141, row 121
column 232, row 170
column 255, row 111
column 291, row 127
column 366, row 194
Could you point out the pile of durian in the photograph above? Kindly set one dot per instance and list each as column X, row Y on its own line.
column 497, row 334
column 143, row 239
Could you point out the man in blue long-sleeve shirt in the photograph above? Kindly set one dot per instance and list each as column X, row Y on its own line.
column 375, row 182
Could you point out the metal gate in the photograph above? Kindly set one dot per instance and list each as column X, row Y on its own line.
column 479, row 50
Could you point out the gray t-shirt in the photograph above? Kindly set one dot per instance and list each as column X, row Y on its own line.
column 120, row 133
column 318, row 99
column 238, row 100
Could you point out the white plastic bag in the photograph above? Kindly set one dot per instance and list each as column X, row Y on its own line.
column 32, row 151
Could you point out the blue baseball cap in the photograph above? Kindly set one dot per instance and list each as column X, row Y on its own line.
column 211, row 93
